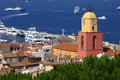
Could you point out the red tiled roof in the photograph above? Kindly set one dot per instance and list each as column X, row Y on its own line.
column 26, row 62
column 15, row 64
column 67, row 46
column 15, row 45
column 23, row 63
column 29, row 55
column 20, row 53
column 108, row 51
column 8, row 55
column 4, row 44
column 48, row 64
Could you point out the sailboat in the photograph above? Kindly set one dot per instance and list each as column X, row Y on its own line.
column 76, row 9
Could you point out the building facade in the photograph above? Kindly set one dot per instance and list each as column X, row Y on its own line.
column 65, row 49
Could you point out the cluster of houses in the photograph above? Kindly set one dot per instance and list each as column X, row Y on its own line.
column 31, row 58
column 27, row 58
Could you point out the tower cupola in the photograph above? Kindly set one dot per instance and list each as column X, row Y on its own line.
column 89, row 21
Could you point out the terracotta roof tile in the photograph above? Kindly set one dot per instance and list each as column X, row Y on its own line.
column 108, row 51
column 48, row 64
column 67, row 46
column 8, row 55
column 29, row 55
column 4, row 44
column 15, row 64
column 23, row 63
column 21, row 54
column 26, row 62
column 15, row 45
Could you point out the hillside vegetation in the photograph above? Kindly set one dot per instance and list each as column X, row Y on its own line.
column 92, row 68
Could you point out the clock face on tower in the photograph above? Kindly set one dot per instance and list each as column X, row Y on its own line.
column 94, row 22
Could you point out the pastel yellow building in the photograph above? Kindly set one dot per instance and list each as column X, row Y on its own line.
column 66, row 49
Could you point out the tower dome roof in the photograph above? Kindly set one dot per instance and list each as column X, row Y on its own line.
column 89, row 15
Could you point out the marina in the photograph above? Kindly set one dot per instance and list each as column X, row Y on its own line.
column 30, row 35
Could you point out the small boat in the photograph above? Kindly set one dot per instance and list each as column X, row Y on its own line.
column 14, row 9
column 102, row 18
column 118, row 8
column 76, row 9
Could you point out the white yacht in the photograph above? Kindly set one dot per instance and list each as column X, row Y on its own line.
column 14, row 9
column 12, row 31
column 76, row 9
column 3, row 40
column 32, row 36
column 2, row 27
column 31, row 30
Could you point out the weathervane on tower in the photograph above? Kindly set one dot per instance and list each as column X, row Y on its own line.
column 89, row 8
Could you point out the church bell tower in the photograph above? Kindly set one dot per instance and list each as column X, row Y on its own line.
column 89, row 39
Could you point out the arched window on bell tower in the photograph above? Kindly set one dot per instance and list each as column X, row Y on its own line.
column 82, row 42
column 93, row 28
column 95, row 42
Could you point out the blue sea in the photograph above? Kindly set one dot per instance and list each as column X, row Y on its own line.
column 53, row 15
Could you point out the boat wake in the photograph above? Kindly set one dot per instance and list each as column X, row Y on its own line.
column 14, row 15
column 60, row 11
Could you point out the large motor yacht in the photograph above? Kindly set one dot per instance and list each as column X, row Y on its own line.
column 32, row 36
column 12, row 31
